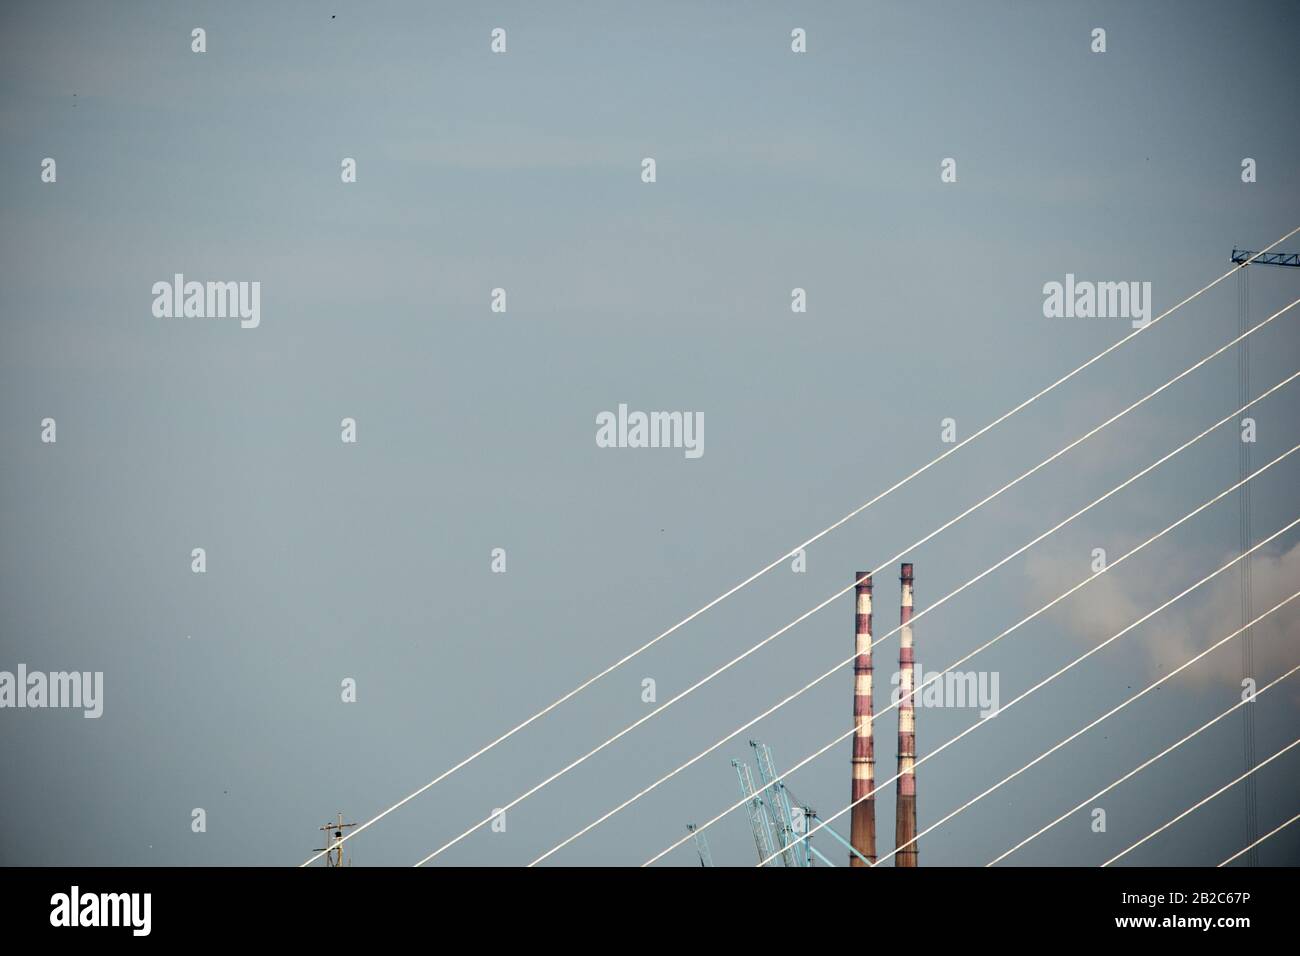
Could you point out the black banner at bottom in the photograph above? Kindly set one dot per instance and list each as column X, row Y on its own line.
column 496, row 905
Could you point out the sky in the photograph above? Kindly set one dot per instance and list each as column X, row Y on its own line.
column 371, row 561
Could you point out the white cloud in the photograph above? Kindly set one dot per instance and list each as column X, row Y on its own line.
column 1118, row 598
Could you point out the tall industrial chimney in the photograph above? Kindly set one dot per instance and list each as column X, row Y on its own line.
column 862, row 828
column 905, row 827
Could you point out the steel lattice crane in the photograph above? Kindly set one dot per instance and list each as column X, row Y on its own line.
column 780, row 812
column 778, row 799
column 759, row 819
column 1243, row 257
column 701, row 845
column 779, row 822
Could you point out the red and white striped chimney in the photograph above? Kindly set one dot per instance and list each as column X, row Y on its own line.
column 862, row 827
column 905, row 827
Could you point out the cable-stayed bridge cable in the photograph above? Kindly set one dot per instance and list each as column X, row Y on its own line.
column 1142, row 766
column 987, row 644
column 1087, row 727
column 1047, row 680
column 1227, row 418
column 1277, row 829
column 771, row 637
column 762, row 571
column 1203, row 801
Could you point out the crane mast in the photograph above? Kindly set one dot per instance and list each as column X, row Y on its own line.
column 778, row 799
column 759, row 820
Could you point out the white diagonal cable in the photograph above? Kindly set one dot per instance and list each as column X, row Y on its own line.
column 771, row 637
column 1277, row 829
column 1142, row 766
column 1047, row 680
column 1229, row 417
column 987, row 644
column 829, row 528
column 1087, row 727
column 1202, row 802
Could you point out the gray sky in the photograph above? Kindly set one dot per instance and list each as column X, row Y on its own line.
column 476, row 430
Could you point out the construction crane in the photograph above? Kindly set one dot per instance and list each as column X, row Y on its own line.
column 1244, row 258
column 806, row 817
column 778, row 799
column 803, row 820
column 779, row 821
column 759, row 819
column 810, row 816
column 701, row 845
